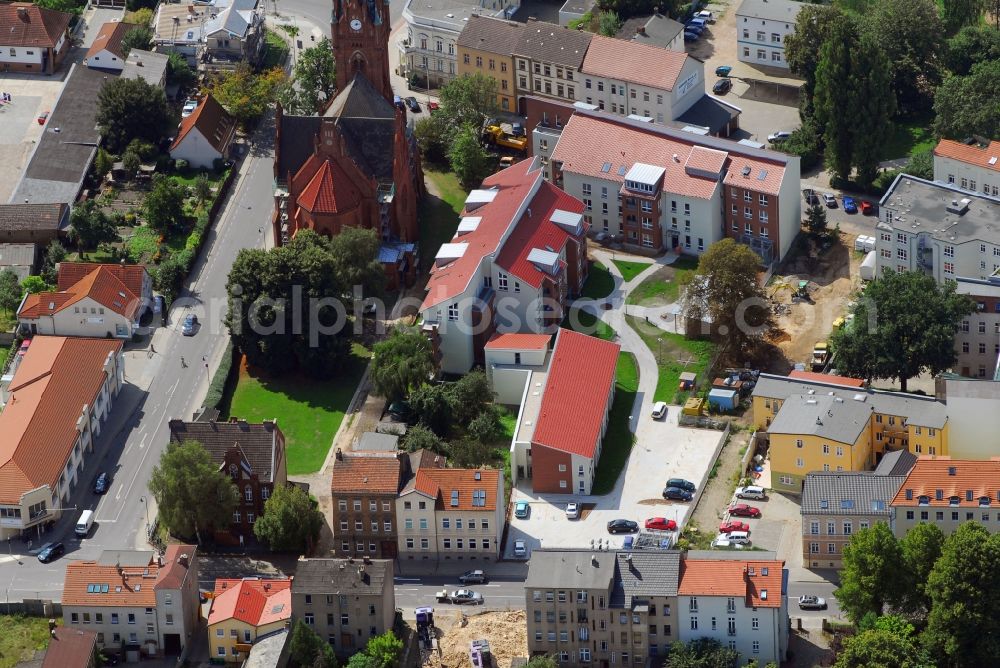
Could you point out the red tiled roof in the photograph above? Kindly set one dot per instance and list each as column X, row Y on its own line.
column 953, row 478
column 441, row 483
column 575, row 402
column 26, row 24
column 330, row 190
column 253, row 601
column 174, row 569
column 518, row 342
column 636, row 63
column 101, row 285
column 131, row 275
column 128, row 586
column 973, row 155
column 56, row 377
column 212, row 121
column 826, row 378
column 70, row 647
column 706, row 159
column 371, row 474
column 110, row 38
column 718, row 577
column 623, row 145
column 538, row 231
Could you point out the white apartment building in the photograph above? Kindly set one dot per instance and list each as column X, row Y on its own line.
column 428, row 54
column 974, row 167
column 761, row 28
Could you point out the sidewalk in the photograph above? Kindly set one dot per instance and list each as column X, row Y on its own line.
column 498, row 570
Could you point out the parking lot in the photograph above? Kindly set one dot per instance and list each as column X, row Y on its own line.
column 663, row 450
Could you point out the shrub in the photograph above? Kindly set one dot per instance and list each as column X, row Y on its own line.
column 217, row 388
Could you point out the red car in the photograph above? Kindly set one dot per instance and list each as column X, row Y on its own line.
column 733, row 525
column 867, row 208
column 661, row 524
column 743, row 510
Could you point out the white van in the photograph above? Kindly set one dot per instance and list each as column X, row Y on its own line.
column 739, row 537
column 84, row 523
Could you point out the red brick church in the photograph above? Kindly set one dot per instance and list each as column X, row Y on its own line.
column 357, row 164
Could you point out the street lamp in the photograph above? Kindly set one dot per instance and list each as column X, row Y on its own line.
column 145, row 507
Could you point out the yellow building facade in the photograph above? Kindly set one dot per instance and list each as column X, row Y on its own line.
column 243, row 611
column 485, row 46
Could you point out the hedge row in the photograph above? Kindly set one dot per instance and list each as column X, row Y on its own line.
column 217, row 388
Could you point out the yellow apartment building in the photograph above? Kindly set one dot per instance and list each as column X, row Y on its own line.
column 245, row 611
column 485, row 47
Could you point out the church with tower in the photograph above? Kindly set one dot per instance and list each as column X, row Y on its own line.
column 357, row 163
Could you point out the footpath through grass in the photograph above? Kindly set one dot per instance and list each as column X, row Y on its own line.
column 618, row 440
column 599, row 283
column 674, row 355
column 21, row 637
column 309, row 411
column 438, row 216
column 663, row 287
column 629, row 269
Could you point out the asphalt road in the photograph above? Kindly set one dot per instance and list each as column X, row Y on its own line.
column 413, row 592
column 137, row 431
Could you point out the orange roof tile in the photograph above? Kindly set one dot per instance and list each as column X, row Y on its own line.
column 132, row 275
column 970, row 154
column 55, row 379
column 441, row 484
column 175, row 569
column 826, row 378
column 330, row 190
column 101, row 285
column 252, row 600
column 951, row 482
column 70, row 647
column 127, row 586
column 719, row 577
column 575, row 402
column 212, row 121
column 513, row 341
column 636, row 63
column 110, row 38
column 366, row 474
column 706, row 159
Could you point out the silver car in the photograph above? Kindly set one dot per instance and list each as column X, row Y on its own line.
column 466, row 596
column 808, row 602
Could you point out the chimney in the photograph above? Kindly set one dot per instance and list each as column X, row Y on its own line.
column 339, row 455
column 159, row 561
column 52, row 626
column 640, row 30
column 183, row 560
column 22, row 13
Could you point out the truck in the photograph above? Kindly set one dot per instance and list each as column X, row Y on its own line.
column 502, row 134
column 821, row 353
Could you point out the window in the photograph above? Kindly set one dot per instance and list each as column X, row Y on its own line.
column 756, row 647
column 114, row 617
column 694, row 623
column 131, row 618
column 357, row 505
column 799, row 463
column 502, row 281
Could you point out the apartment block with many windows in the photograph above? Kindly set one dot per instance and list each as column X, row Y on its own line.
column 761, row 29
column 485, row 46
column 948, row 492
column 364, row 489
column 972, row 166
column 547, row 60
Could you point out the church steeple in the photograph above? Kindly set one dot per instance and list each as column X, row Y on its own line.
column 360, row 35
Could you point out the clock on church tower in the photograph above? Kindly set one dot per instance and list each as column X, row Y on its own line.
column 360, row 36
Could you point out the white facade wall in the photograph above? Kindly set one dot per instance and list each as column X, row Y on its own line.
column 105, row 60
column 86, row 318
column 624, row 98
column 973, row 420
column 790, row 205
column 430, row 533
column 22, row 55
column 116, row 625
column 417, row 527
column 973, row 178
column 712, row 620
column 432, row 50
column 900, row 250
column 762, row 41
column 196, row 150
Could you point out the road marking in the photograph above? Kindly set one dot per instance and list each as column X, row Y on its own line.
column 399, row 579
column 490, row 585
column 121, row 488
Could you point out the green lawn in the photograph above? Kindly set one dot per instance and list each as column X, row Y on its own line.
column 630, row 270
column 909, row 137
column 618, row 440
column 4, row 354
column 187, row 177
column 663, row 287
column 671, row 351
column 275, row 50
column 438, row 216
column 587, row 323
column 21, row 637
column 309, row 412
column 143, row 243
column 599, row 283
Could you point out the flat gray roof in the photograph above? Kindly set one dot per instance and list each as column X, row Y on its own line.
column 835, row 418
column 643, row 574
column 570, row 569
column 772, row 10
column 450, row 14
column 147, row 65
column 920, row 206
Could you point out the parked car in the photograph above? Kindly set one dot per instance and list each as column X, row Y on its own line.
column 733, row 525
column 160, row 305
column 42, row 117
column 412, row 103
column 23, row 349
column 659, row 410
column 723, row 70
column 473, row 577
column 572, row 510
column 110, row 659
column 628, row 543
column 50, row 552
column 849, row 205
column 682, row 483
column 460, row 597
column 189, row 325
column 743, row 510
column 723, row 543
column 521, row 509
column 697, row 21
column 810, row 196
column 188, row 108
column 779, row 136
column 755, row 492
column 622, row 526
column 677, row 494
column 691, row 36
column 810, row 602
column 722, row 86
column 830, row 200
column 734, row 538
column 867, row 208
column 520, row 549
column 661, row 524
column 696, row 28
column 706, row 15
column 102, row 483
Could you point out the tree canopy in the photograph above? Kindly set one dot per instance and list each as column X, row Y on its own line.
column 967, row 105
column 401, row 363
column 139, row 37
column 313, row 82
column 130, row 109
column 308, row 650
column 911, row 34
column 888, row 642
column 904, row 324
column 291, row 520
column 247, row 94
column 973, row 44
column 956, row 14
column 871, row 577
column 814, row 24
column 10, row 290
column 700, row 653
column 90, row 226
column 467, row 100
column 164, row 205
column 469, row 160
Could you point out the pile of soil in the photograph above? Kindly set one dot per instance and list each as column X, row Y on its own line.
column 506, row 631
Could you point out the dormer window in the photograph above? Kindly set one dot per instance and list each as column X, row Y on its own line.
column 923, row 500
column 953, row 501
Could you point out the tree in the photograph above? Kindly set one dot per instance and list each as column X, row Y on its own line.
column 629, row 8
column 469, row 100
column 956, row 14
column 54, row 254
column 872, row 108
column 10, row 291
column 401, row 363
column 805, row 143
column 385, row 649
column 802, row 48
column 726, row 289
column 921, row 548
column 889, row 643
column 963, row 628
column 307, row 649
column 131, row 163
column 139, row 37
column 164, row 205
column 355, row 260
column 202, row 189
column 921, row 164
column 102, row 163
column 361, row 660
column 291, row 520
column 816, row 219
column 487, row 426
column 192, row 494
column 470, row 395
column 700, row 653
column 419, row 437
column 834, row 97
column 178, row 71
column 542, row 661
column 130, row 109
column 468, row 453
column 870, row 578
column 967, row 105
column 904, row 324
column 35, row 284
column 973, row 44
column 432, row 135
column 314, row 79
column 609, row 23
column 432, row 405
column 246, row 94
column 90, row 226
column 469, row 160
column 140, row 17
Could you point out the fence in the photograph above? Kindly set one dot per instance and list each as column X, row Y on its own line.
column 33, row 607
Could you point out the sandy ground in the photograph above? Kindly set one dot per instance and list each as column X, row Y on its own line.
column 718, row 493
column 506, row 631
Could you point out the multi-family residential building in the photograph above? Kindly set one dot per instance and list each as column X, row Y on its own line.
column 364, row 490
column 428, row 55
column 32, row 38
column 829, row 426
column 761, row 29
column 219, row 30
column 948, row 492
column 972, row 415
column 737, row 600
column 519, row 254
column 548, row 59
column 977, row 341
column 345, row 601
column 245, row 611
column 252, row 455
column 136, row 600
column 659, row 188
column 486, row 46
column 97, row 300
column 970, row 165
column 601, row 608
column 834, row 505
column 54, row 407
column 451, row 514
